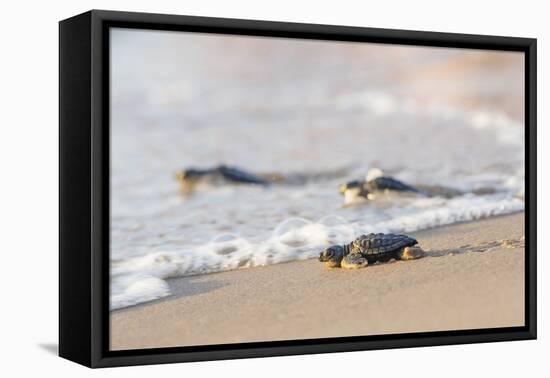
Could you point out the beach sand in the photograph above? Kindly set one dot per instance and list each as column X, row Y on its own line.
column 473, row 277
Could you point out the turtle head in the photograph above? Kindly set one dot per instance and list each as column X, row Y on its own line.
column 190, row 175
column 189, row 179
column 350, row 186
column 332, row 256
column 353, row 192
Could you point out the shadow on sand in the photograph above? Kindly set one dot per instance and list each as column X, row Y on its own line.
column 51, row 348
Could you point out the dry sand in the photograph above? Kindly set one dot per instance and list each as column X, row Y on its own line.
column 473, row 277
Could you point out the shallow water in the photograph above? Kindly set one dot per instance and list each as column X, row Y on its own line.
column 182, row 100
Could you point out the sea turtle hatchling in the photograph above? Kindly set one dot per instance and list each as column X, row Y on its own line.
column 192, row 178
column 371, row 248
column 375, row 183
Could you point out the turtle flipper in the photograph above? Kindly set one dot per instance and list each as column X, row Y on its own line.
column 410, row 253
column 354, row 261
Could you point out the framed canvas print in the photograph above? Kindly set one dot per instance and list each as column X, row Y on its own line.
column 234, row 188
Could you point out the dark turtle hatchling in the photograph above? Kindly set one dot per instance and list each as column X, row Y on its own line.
column 371, row 248
column 375, row 183
column 190, row 179
column 358, row 190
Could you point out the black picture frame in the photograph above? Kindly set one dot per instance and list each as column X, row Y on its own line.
column 84, row 187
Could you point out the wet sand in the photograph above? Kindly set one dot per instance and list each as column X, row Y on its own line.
column 472, row 277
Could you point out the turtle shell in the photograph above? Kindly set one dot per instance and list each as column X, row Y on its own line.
column 240, row 176
column 389, row 183
column 378, row 244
